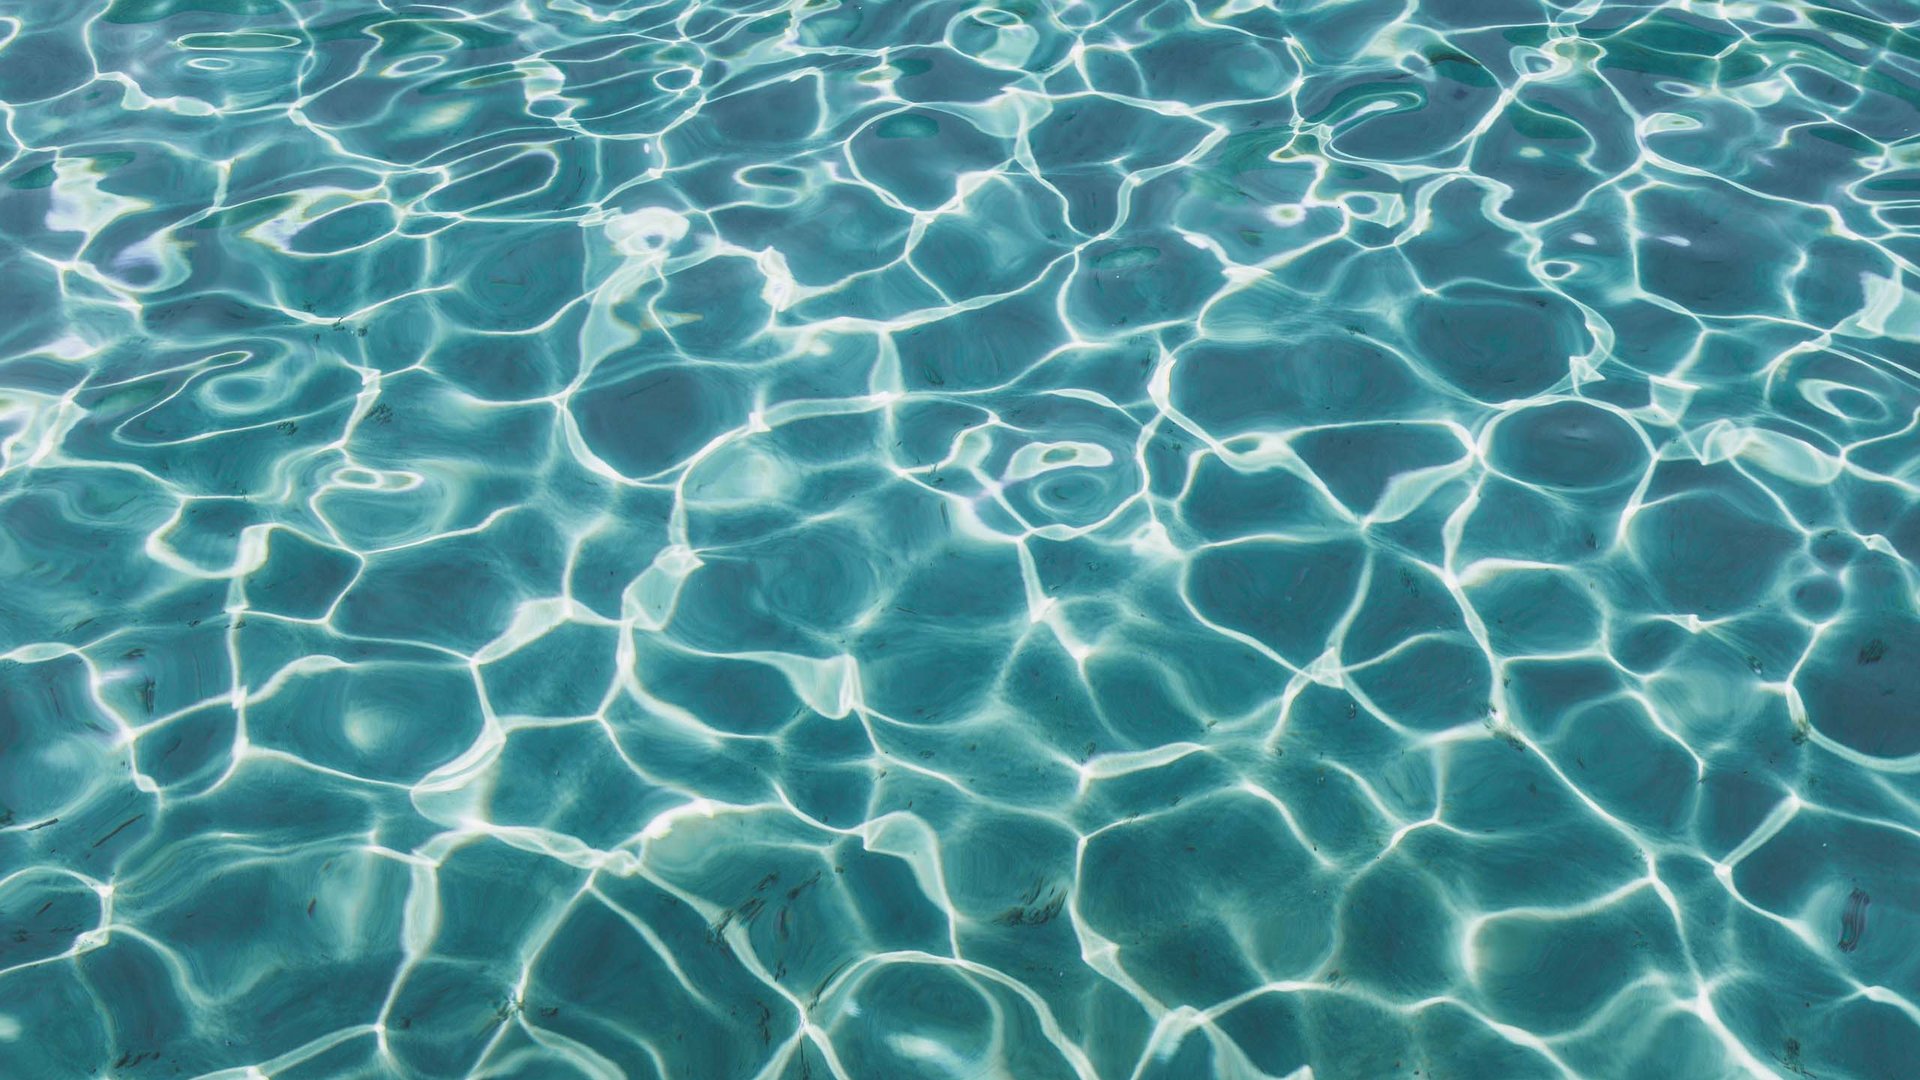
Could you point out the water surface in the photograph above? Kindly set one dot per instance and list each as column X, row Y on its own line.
column 1101, row 541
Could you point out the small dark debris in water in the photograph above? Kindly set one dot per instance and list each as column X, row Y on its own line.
column 508, row 1009
column 746, row 912
column 287, row 427
column 1753, row 664
column 44, row 824
column 794, row 893
column 637, row 391
column 550, row 1011
column 1853, row 922
column 1790, row 1057
column 381, row 414
column 1872, row 651
column 311, row 904
column 1353, row 710
column 766, row 881
column 814, row 1001
column 117, row 829
column 129, row 1059
column 1033, row 910
column 146, row 695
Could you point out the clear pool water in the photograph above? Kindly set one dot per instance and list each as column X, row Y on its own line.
column 1028, row 540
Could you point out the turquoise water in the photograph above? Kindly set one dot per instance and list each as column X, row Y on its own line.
column 1100, row 541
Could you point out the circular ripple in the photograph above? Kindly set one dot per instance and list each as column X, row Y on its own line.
column 1567, row 444
column 1498, row 344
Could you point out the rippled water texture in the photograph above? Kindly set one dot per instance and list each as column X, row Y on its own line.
column 1043, row 541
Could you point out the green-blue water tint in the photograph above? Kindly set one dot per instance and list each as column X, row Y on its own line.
column 599, row 539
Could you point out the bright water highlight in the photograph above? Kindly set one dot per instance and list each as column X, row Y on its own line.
column 1100, row 541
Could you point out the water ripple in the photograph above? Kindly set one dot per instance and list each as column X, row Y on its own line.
column 587, row 538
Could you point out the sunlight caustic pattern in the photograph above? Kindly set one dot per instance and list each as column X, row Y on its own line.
column 1100, row 541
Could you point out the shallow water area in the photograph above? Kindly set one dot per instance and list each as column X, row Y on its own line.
column 1108, row 541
